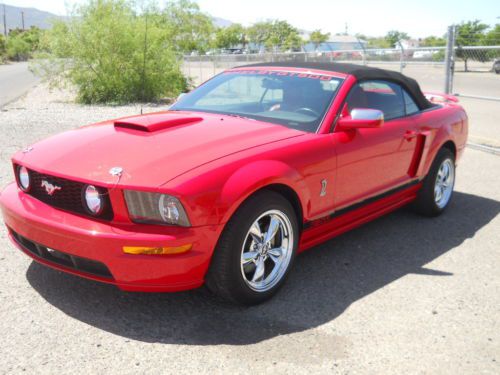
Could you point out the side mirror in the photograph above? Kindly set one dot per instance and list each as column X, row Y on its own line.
column 362, row 118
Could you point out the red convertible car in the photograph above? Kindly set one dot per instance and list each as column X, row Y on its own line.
column 238, row 176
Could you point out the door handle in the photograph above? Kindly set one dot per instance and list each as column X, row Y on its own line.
column 410, row 134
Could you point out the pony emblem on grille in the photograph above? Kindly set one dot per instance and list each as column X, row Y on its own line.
column 49, row 188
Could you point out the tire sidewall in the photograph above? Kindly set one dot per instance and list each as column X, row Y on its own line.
column 246, row 216
column 442, row 155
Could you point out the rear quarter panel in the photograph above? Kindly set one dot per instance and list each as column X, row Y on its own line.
column 448, row 122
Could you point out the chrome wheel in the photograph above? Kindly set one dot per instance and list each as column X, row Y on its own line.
column 443, row 186
column 267, row 250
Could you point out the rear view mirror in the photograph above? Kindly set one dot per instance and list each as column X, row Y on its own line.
column 272, row 84
column 362, row 118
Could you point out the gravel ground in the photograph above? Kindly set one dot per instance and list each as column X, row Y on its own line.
column 402, row 294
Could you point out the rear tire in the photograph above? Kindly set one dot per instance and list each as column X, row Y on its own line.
column 437, row 189
column 250, row 264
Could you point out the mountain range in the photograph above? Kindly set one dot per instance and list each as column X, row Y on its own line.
column 42, row 19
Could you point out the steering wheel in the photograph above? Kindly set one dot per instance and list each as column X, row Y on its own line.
column 307, row 111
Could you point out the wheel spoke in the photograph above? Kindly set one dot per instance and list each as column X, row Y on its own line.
column 440, row 174
column 437, row 192
column 275, row 254
column 249, row 257
column 274, row 225
column 259, row 270
column 256, row 233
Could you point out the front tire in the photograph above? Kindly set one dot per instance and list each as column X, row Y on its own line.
column 437, row 188
column 256, row 250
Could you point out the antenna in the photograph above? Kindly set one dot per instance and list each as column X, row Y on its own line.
column 144, row 60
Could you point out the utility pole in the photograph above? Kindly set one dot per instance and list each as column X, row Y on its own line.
column 22, row 19
column 4, row 21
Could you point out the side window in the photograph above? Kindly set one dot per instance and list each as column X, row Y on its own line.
column 411, row 106
column 384, row 96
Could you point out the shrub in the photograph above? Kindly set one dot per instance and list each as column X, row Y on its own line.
column 18, row 49
column 21, row 44
column 102, row 51
column 3, row 48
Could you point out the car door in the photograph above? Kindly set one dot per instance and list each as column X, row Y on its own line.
column 371, row 161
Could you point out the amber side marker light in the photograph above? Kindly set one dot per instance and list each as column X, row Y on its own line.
column 157, row 250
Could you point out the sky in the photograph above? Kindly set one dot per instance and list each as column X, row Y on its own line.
column 418, row 18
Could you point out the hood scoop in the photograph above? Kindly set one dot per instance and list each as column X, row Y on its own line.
column 155, row 121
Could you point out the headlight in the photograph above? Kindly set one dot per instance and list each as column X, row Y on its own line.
column 23, row 178
column 155, row 208
column 93, row 200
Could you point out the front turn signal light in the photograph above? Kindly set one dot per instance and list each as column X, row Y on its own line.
column 167, row 250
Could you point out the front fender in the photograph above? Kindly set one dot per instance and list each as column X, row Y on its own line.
column 254, row 176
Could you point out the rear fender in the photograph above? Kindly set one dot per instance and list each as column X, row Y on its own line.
column 432, row 146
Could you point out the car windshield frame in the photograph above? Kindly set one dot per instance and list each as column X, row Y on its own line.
column 305, row 85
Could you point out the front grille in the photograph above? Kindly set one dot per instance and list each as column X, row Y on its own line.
column 69, row 197
column 80, row 264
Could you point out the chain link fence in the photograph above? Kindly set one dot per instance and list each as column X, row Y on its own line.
column 201, row 68
column 476, row 58
column 427, row 65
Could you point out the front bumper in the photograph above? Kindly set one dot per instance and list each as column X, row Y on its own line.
column 80, row 237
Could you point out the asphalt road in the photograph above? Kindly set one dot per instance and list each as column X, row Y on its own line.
column 15, row 80
column 400, row 295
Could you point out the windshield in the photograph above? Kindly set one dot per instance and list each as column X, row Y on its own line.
column 296, row 100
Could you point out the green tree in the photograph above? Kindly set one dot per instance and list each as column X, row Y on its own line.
column 393, row 37
column 102, row 51
column 259, row 32
column 187, row 27
column 317, row 37
column 492, row 37
column 274, row 35
column 470, row 33
column 378, row 42
column 433, row 41
column 283, row 36
column 227, row 37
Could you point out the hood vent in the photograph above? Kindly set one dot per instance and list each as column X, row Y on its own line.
column 156, row 121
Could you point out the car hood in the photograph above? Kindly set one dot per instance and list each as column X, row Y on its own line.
column 151, row 149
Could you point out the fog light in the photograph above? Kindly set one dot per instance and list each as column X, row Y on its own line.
column 93, row 200
column 23, row 178
column 157, row 250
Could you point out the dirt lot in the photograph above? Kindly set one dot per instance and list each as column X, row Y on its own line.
column 403, row 294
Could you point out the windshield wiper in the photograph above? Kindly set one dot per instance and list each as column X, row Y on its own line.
column 237, row 116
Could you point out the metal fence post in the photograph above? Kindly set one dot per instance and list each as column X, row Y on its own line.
column 201, row 71
column 448, row 60
column 401, row 57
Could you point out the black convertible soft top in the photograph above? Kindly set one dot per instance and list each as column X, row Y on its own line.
column 361, row 73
